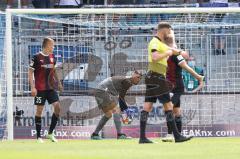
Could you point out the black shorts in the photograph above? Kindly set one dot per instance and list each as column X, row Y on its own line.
column 165, row 98
column 176, row 98
column 50, row 95
column 157, row 87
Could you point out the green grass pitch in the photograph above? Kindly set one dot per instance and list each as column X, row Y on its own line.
column 197, row 148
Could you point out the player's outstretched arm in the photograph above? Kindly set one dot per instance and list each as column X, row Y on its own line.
column 200, row 78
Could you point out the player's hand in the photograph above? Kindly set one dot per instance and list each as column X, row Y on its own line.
column 33, row 91
column 175, row 53
column 201, row 84
column 169, row 52
column 125, row 119
column 127, row 116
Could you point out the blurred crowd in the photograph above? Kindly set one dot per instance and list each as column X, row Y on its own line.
column 80, row 3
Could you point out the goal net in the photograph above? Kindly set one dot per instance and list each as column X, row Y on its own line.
column 93, row 44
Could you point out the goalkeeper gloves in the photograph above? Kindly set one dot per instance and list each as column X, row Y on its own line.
column 127, row 116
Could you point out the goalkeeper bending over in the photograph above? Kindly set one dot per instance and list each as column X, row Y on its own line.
column 107, row 95
column 174, row 74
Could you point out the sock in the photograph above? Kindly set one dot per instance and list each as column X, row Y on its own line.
column 169, row 128
column 178, row 120
column 143, row 123
column 172, row 124
column 53, row 123
column 101, row 124
column 38, row 123
column 117, row 122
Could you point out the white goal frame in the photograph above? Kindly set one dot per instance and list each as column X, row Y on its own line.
column 10, row 12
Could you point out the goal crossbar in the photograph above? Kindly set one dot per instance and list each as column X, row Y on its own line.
column 124, row 10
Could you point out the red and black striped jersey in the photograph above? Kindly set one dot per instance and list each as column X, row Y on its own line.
column 174, row 72
column 43, row 66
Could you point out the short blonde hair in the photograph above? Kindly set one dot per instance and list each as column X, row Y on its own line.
column 45, row 41
column 163, row 25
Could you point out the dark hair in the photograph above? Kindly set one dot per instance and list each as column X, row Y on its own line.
column 45, row 41
column 163, row 25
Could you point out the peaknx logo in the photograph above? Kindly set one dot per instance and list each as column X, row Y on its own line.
column 63, row 133
column 206, row 133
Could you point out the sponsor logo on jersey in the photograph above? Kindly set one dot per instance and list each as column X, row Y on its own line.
column 48, row 66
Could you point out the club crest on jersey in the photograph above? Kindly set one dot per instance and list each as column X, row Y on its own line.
column 51, row 59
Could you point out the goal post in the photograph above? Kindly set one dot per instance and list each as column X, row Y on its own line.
column 9, row 74
column 99, row 23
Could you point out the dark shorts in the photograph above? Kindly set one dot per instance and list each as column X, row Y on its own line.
column 41, row 3
column 50, row 95
column 176, row 98
column 104, row 99
column 165, row 98
column 157, row 87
